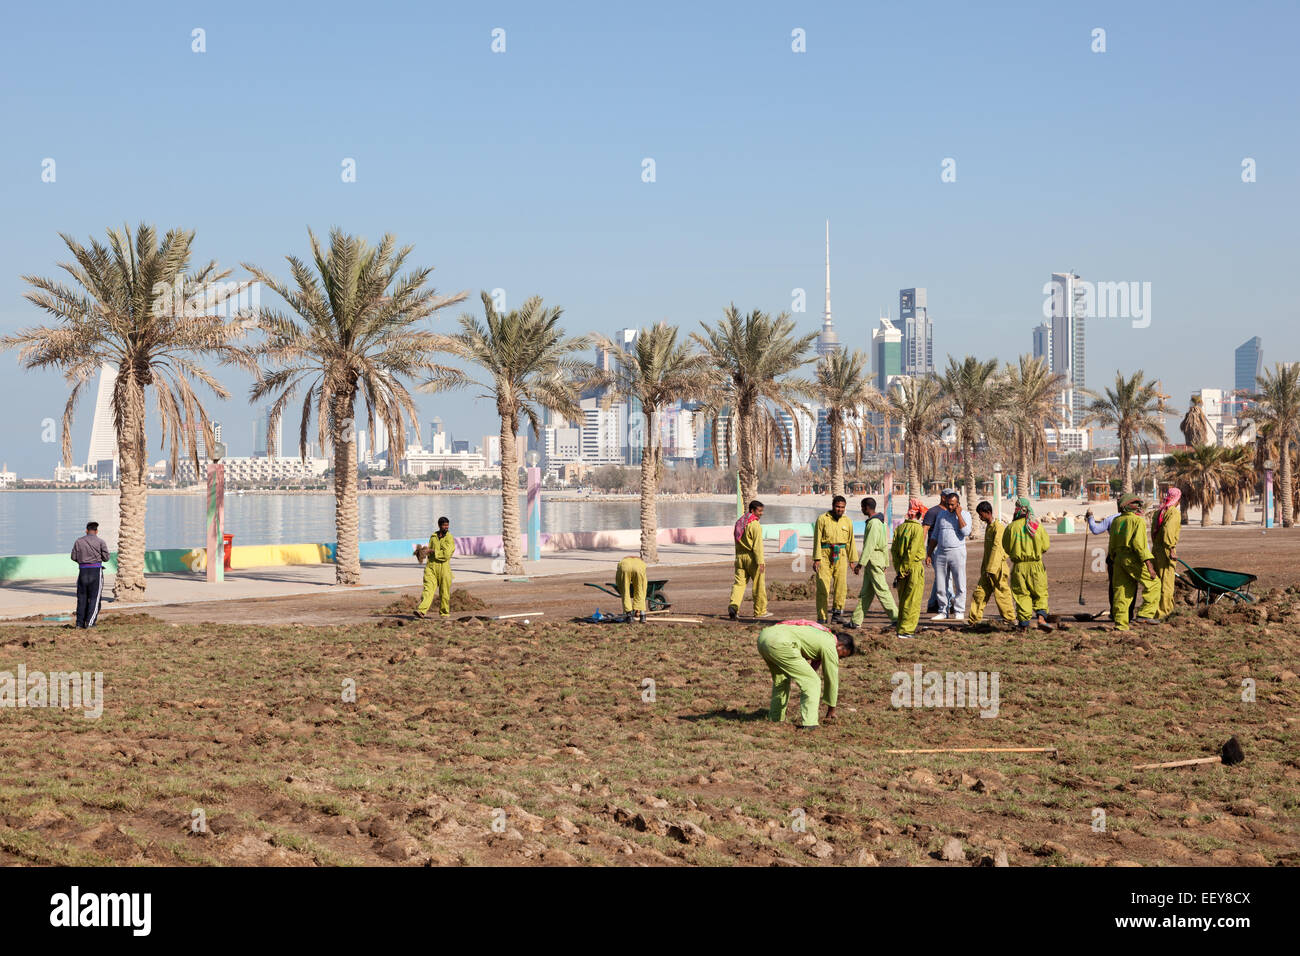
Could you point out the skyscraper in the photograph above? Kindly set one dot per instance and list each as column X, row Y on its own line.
column 1069, row 306
column 918, row 333
column 828, row 341
column 260, row 447
column 103, row 435
column 886, row 353
column 1249, row 364
column 1043, row 343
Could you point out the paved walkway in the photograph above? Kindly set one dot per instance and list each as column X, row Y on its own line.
column 19, row 599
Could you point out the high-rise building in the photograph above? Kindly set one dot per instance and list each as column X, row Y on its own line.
column 103, row 434
column 1043, row 343
column 1249, row 364
column 886, row 353
column 918, row 332
column 1212, row 404
column 828, row 341
column 260, row 447
column 1069, row 305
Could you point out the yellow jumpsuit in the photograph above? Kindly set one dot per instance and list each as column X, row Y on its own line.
column 834, row 547
column 749, row 555
column 875, row 558
column 437, row 574
column 1164, row 539
column 630, row 580
column 908, row 553
column 1128, row 549
column 787, row 650
column 994, row 580
column 1025, row 546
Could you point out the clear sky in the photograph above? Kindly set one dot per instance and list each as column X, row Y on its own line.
column 522, row 170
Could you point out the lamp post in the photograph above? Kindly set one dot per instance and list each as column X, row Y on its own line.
column 997, row 491
column 216, row 513
column 534, row 508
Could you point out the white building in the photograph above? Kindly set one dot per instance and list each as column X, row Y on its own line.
column 601, row 441
column 419, row 461
column 1212, row 403
column 103, row 434
column 76, row 473
column 1068, row 440
column 278, row 470
column 7, row 478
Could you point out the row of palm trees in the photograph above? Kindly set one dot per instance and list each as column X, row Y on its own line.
column 355, row 330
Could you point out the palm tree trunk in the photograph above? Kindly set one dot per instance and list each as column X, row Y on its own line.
column 347, row 550
column 837, row 456
column 909, row 466
column 970, row 478
column 1022, row 468
column 1126, row 483
column 748, row 474
column 133, row 495
column 510, row 494
column 1284, row 480
column 649, row 483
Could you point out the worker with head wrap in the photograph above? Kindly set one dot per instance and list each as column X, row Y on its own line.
column 994, row 576
column 834, row 551
column 908, row 554
column 1134, row 565
column 1025, row 542
column 1164, row 546
column 795, row 651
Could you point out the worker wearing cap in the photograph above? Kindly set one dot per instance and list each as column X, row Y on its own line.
column 749, row 562
column 1025, row 542
column 875, row 558
column 833, row 552
column 793, row 651
column 1165, row 531
column 91, row 554
column 995, row 579
column 1134, row 565
column 437, row 571
column 630, row 579
column 908, row 554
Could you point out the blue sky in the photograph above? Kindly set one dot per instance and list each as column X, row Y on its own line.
column 522, row 170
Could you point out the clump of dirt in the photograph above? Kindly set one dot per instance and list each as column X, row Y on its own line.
column 1276, row 605
column 794, row 590
column 460, row 601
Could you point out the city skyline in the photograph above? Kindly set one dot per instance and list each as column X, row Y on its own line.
column 731, row 212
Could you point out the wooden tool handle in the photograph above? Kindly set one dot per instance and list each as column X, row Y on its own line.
column 979, row 750
column 1177, row 763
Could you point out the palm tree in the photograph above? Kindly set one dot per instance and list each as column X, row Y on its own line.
column 756, row 354
column 843, row 387
column 353, row 330
column 656, row 372
column 1238, row 480
column 1276, row 413
column 976, row 397
column 1134, row 409
column 528, row 367
column 1034, row 404
column 917, row 404
column 1195, row 426
column 134, row 306
column 1201, row 475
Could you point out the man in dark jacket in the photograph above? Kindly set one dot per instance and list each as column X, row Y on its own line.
column 90, row 552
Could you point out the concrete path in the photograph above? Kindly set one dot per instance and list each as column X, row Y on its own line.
column 19, row 599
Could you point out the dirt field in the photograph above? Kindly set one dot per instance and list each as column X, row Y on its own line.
column 484, row 742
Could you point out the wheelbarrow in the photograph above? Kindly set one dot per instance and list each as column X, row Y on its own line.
column 655, row 600
column 1211, row 584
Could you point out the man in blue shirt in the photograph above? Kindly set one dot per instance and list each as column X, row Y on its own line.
column 948, row 555
column 1103, row 527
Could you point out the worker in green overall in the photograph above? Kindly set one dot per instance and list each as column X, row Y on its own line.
column 834, row 552
column 1134, row 565
column 630, row 579
column 793, row 651
column 875, row 559
column 437, row 571
column 908, row 554
column 1025, row 542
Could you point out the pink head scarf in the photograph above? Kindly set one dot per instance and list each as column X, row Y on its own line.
column 1172, row 497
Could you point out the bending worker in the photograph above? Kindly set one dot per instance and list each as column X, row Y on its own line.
column 1164, row 547
column 908, row 553
column 1025, row 542
column 833, row 552
column 995, row 579
column 875, row 558
column 630, row 579
column 749, row 562
column 437, row 571
column 793, row 650
column 1134, row 565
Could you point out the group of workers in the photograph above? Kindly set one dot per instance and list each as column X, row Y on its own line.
column 936, row 538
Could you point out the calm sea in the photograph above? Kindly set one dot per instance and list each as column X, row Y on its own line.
column 41, row 522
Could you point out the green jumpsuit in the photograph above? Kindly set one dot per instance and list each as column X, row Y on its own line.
column 875, row 558
column 1025, row 544
column 749, row 556
column 787, row 649
column 834, row 547
column 630, row 579
column 994, row 578
column 1128, row 549
column 437, row 575
column 1164, row 539
column 908, row 552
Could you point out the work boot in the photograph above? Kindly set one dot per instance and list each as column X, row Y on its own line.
column 731, row 612
column 642, row 617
